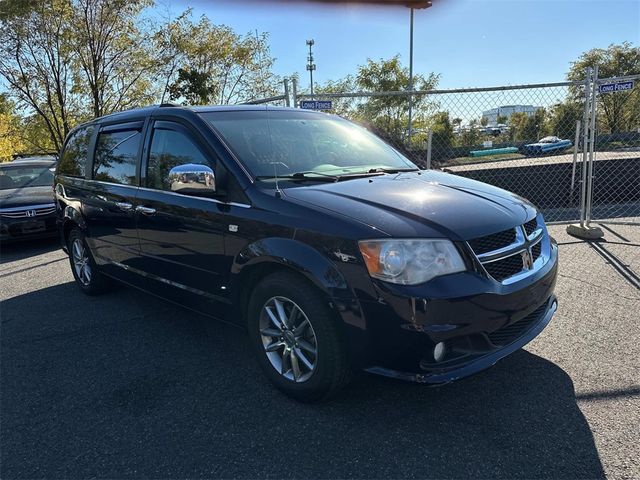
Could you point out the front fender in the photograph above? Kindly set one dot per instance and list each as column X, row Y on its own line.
column 321, row 271
column 295, row 255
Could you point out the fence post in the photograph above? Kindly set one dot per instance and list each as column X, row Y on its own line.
column 294, row 92
column 592, row 142
column 575, row 160
column 585, row 148
column 429, row 137
column 583, row 230
column 286, row 93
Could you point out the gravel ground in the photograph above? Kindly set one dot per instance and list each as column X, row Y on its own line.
column 127, row 386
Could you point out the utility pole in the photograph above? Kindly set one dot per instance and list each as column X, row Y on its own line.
column 310, row 65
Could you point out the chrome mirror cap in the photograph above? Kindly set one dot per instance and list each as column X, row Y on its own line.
column 192, row 179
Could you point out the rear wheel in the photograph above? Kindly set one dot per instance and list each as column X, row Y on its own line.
column 84, row 268
column 296, row 338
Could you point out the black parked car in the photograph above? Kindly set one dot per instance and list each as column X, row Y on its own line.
column 333, row 249
column 27, row 208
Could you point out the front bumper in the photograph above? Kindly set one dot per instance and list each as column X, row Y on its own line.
column 478, row 320
column 478, row 362
column 27, row 228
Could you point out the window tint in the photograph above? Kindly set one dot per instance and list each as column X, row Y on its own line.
column 170, row 148
column 73, row 161
column 116, row 155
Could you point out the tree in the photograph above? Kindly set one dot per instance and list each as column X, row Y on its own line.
column 620, row 110
column 391, row 114
column 209, row 63
column 502, row 120
column 442, row 136
column 527, row 127
column 113, row 53
column 345, row 107
column 470, row 136
column 10, row 141
column 562, row 117
column 69, row 60
column 36, row 58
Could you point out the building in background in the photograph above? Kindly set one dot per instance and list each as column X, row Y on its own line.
column 505, row 112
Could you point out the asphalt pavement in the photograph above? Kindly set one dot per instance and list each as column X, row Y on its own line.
column 127, row 386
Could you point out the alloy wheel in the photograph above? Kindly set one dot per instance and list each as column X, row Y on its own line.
column 288, row 339
column 81, row 264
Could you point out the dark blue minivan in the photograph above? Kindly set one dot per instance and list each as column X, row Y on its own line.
column 329, row 246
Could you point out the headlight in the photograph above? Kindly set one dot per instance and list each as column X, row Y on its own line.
column 410, row 262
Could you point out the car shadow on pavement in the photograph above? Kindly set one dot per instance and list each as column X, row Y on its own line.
column 12, row 252
column 124, row 385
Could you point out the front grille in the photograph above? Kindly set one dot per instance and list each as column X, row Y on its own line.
column 492, row 242
column 536, row 251
column 505, row 268
column 28, row 212
column 508, row 334
column 531, row 226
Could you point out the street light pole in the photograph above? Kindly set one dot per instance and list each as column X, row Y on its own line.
column 412, row 4
column 310, row 65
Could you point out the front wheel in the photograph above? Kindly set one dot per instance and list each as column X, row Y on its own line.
column 84, row 268
column 296, row 338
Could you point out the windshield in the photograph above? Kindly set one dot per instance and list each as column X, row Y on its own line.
column 20, row 176
column 286, row 143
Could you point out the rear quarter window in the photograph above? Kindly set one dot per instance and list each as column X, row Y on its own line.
column 73, row 161
column 116, row 156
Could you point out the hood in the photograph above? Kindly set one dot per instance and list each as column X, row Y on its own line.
column 23, row 197
column 420, row 204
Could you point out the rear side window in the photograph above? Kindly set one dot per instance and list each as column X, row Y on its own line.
column 73, row 161
column 116, row 156
column 169, row 149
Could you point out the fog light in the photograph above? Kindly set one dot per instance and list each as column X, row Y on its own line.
column 439, row 351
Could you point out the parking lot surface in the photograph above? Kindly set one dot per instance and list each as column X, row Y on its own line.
column 127, row 386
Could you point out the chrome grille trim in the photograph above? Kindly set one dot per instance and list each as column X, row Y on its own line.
column 522, row 246
column 24, row 211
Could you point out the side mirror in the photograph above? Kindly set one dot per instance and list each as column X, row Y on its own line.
column 192, row 179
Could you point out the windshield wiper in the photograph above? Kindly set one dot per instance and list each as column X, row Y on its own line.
column 392, row 170
column 305, row 176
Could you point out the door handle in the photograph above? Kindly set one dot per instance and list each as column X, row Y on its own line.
column 124, row 206
column 145, row 210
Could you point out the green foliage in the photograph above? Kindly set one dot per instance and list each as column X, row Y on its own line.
column 442, row 137
column 344, row 107
column 527, row 128
column 562, row 117
column 470, row 136
column 619, row 111
column 391, row 114
column 207, row 63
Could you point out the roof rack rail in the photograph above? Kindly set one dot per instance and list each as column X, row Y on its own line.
column 170, row 104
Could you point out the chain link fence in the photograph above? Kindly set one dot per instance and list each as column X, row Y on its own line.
column 532, row 140
column 616, row 166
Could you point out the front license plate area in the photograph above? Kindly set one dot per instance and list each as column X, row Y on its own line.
column 33, row 226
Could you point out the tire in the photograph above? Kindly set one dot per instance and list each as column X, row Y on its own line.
column 314, row 325
column 83, row 266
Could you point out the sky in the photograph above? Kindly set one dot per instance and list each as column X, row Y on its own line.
column 470, row 43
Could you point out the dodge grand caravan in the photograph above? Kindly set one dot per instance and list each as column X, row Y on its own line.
column 330, row 247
